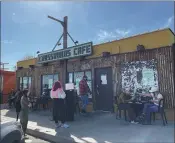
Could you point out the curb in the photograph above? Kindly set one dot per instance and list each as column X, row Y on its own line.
column 49, row 138
column 31, row 130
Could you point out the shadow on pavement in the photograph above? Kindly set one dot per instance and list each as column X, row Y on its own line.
column 102, row 127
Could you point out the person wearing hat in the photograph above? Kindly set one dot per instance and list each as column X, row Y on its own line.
column 153, row 105
column 83, row 92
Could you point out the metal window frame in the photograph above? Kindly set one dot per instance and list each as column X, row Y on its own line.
column 22, row 87
column 47, row 75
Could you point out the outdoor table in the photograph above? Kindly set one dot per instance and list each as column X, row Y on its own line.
column 137, row 107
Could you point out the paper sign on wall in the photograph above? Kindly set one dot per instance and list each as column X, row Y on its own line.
column 148, row 77
column 104, row 79
column 69, row 86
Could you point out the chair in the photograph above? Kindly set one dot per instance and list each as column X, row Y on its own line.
column 161, row 111
column 120, row 108
column 124, row 108
column 45, row 102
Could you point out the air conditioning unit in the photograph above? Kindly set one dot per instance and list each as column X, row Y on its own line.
column 106, row 54
column 82, row 58
column 19, row 68
column 140, row 48
column 61, row 62
column 32, row 66
column 45, row 64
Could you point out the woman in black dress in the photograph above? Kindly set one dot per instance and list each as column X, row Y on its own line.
column 59, row 112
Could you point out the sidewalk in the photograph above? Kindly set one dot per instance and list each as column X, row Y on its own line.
column 94, row 128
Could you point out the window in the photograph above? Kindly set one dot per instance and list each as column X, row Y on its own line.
column 70, row 77
column 25, row 82
column 49, row 80
column 30, row 81
column 55, row 78
column 20, row 83
column 89, row 77
column 76, row 77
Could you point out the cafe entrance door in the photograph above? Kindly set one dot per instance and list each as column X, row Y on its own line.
column 104, row 89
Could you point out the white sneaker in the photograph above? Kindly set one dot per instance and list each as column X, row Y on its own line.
column 132, row 122
column 65, row 126
column 58, row 125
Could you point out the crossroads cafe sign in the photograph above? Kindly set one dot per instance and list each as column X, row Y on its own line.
column 72, row 52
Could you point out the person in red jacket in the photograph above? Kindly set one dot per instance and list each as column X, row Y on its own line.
column 83, row 92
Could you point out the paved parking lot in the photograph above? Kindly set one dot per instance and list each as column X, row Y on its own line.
column 31, row 139
column 97, row 127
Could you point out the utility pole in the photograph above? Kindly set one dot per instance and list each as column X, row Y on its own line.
column 64, row 47
column 64, row 24
column 1, row 79
column 173, row 62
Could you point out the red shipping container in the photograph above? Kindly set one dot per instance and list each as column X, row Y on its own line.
column 7, row 83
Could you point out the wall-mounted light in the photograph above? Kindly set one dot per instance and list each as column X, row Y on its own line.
column 76, row 42
column 140, row 48
column 106, row 54
column 37, row 52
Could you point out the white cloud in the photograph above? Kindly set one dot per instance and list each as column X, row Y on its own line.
column 169, row 21
column 6, row 42
column 104, row 35
column 122, row 33
column 13, row 14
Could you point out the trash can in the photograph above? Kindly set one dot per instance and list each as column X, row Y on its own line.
column 70, row 105
column 70, row 101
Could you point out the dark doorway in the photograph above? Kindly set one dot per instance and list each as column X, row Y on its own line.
column 104, row 89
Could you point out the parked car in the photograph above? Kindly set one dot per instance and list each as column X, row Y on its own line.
column 11, row 132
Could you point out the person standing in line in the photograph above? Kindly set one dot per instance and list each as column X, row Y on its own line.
column 59, row 110
column 83, row 92
column 24, row 111
column 18, row 103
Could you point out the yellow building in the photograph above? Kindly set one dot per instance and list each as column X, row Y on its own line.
column 111, row 67
column 151, row 40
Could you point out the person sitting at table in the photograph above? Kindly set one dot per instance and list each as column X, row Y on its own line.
column 123, row 100
column 152, row 106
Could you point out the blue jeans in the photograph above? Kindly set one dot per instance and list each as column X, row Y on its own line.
column 84, row 99
column 148, row 109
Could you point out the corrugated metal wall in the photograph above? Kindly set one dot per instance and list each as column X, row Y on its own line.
column 164, row 61
column 162, row 56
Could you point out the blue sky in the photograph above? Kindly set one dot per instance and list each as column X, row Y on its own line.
column 25, row 28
